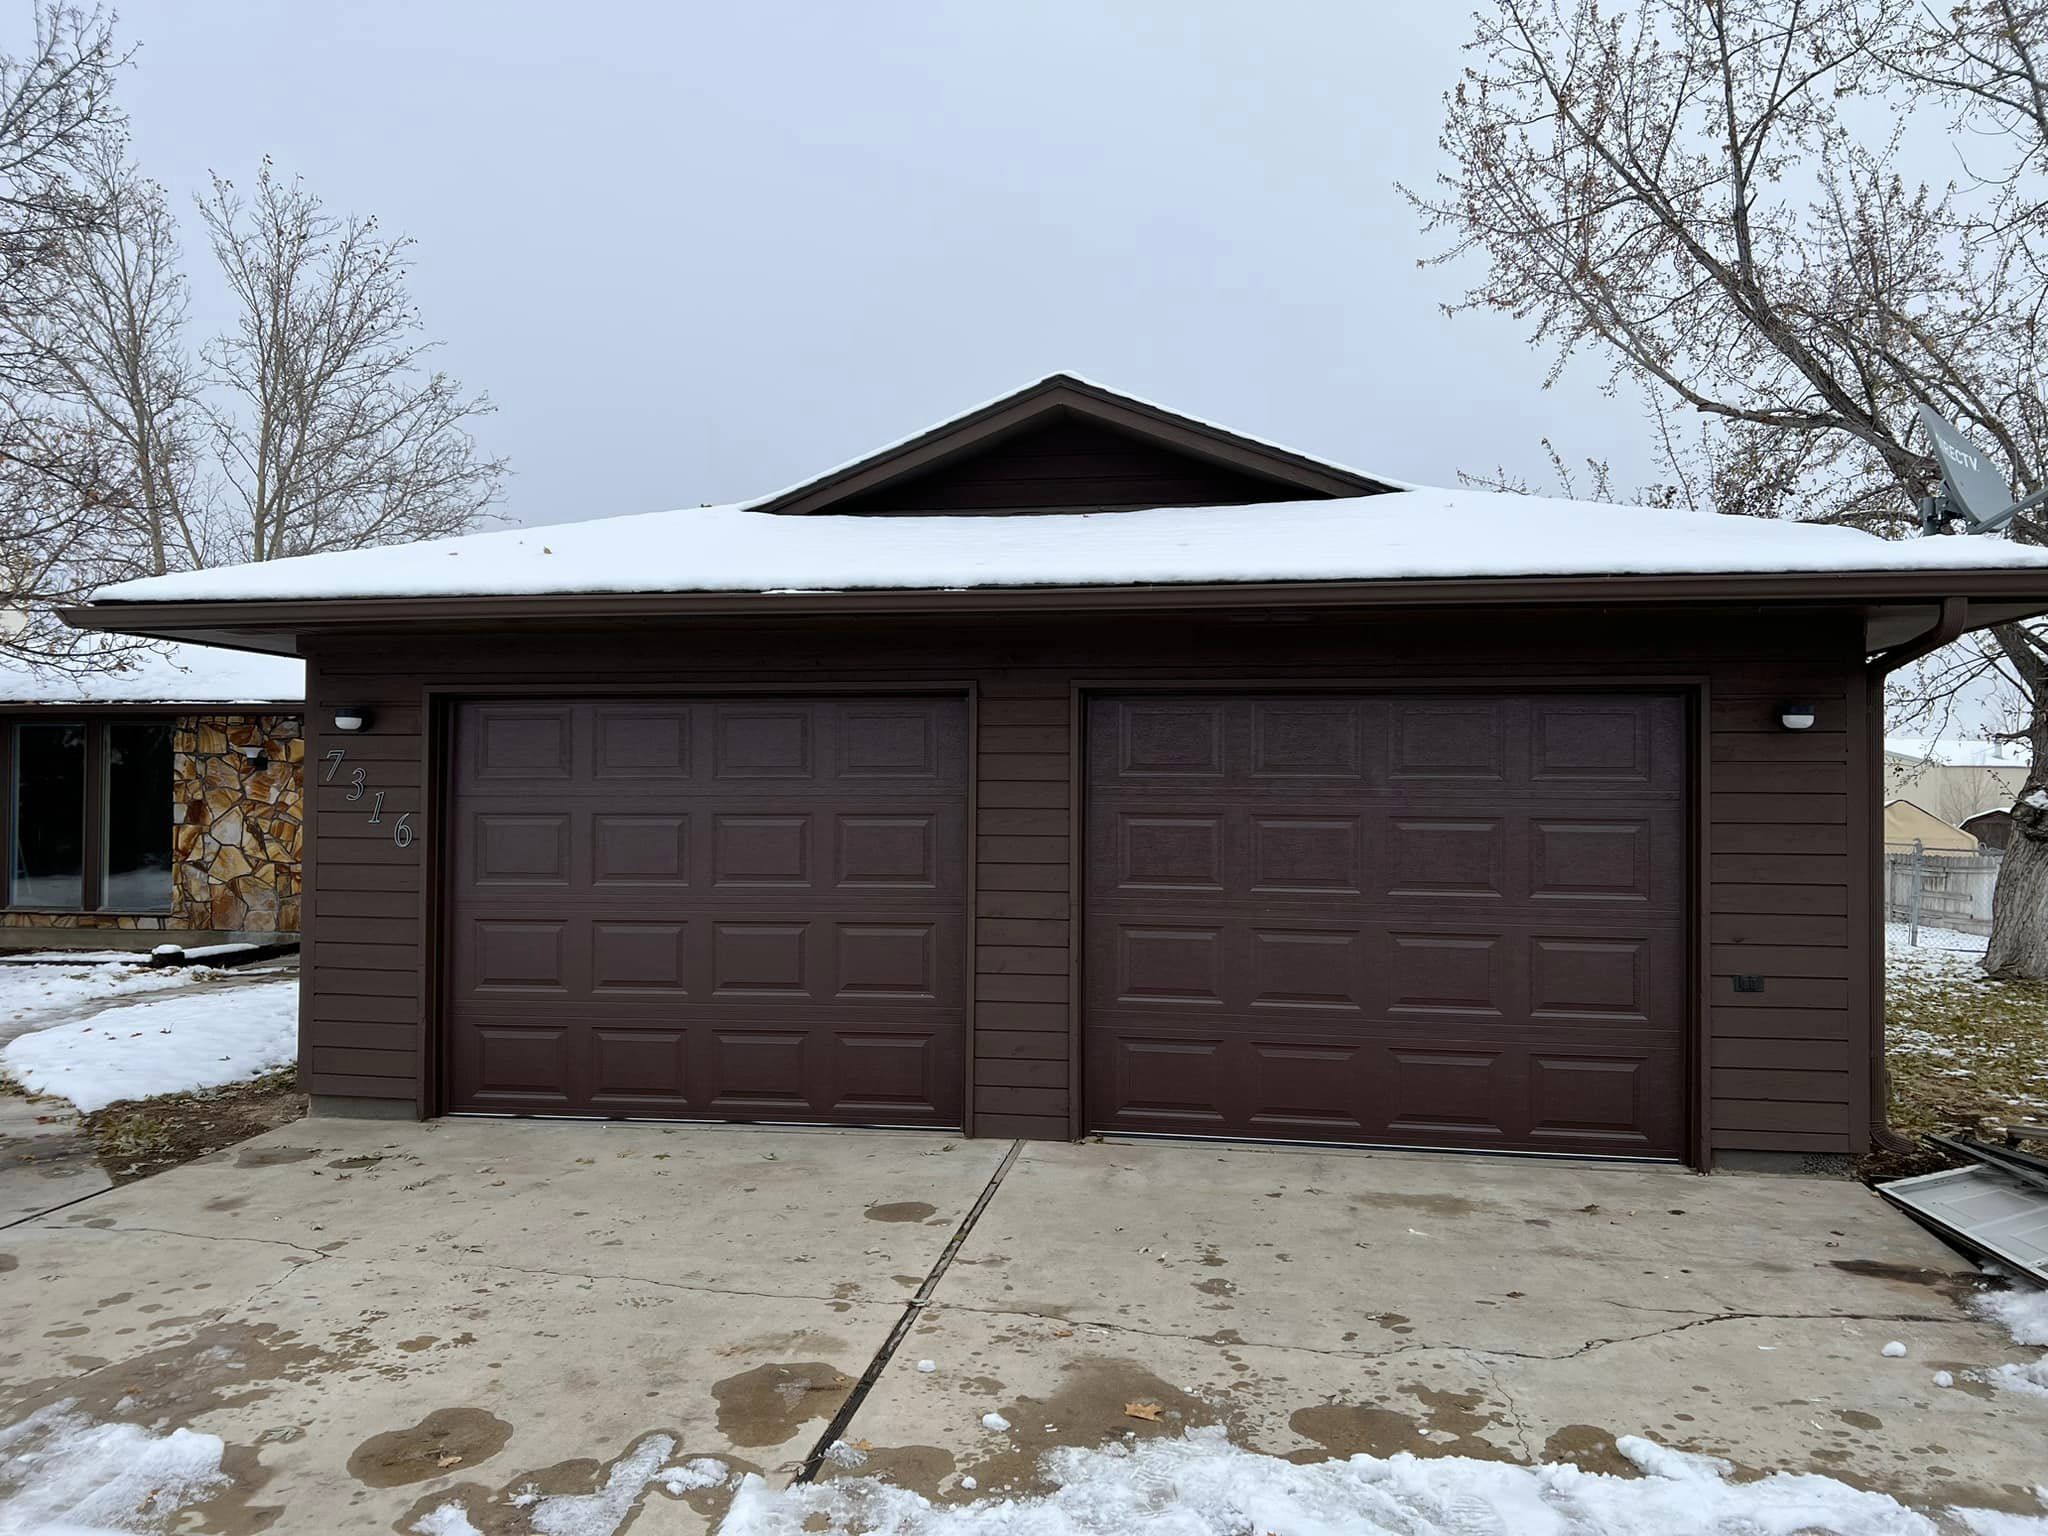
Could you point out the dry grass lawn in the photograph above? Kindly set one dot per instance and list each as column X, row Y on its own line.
column 1962, row 1048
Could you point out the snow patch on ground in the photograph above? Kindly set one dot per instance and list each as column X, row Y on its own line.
column 34, row 995
column 591, row 1514
column 2024, row 1315
column 1201, row 1485
column 201, row 1039
column 63, row 1472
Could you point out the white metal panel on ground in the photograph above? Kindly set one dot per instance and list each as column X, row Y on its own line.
column 1985, row 1209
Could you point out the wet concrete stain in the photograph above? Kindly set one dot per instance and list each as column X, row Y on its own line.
column 506, row 1509
column 1448, row 1425
column 1952, row 1283
column 445, row 1439
column 901, row 1210
column 1428, row 1205
column 1860, row 1419
column 920, row 1468
column 8, row 1263
column 271, row 1157
column 1088, row 1409
column 1216, row 1287
column 360, row 1160
column 770, row 1403
column 1589, row 1448
column 227, row 1203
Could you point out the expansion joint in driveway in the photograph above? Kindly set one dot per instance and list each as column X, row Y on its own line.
column 836, row 1430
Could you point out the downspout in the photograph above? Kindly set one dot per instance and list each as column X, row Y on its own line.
column 1949, row 626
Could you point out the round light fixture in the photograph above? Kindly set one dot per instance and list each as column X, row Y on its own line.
column 1797, row 717
column 350, row 717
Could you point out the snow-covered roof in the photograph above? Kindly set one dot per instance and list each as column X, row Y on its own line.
column 1948, row 752
column 161, row 673
column 1406, row 534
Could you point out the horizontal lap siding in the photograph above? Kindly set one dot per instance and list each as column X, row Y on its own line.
column 1023, row 912
column 364, row 996
column 1787, row 1068
column 1783, row 871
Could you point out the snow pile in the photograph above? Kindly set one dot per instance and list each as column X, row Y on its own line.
column 62, row 1472
column 1201, row 1485
column 2024, row 1315
column 1417, row 534
column 34, row 995
column 161, row 674
column 202, row 1039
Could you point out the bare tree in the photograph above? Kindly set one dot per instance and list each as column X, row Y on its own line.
column 1712, row 197
column 120, row 369
column 333, row 432
column 57, row 114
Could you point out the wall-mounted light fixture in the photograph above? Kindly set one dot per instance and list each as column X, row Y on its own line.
column 351, row 718
column 1796, row 717
column 258, row 758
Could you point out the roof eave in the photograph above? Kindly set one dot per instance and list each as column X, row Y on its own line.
column 245, row 623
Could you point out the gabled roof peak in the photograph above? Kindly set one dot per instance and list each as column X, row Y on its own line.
column 1238, row 468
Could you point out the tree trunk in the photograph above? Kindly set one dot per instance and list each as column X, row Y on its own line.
column 2019, row 907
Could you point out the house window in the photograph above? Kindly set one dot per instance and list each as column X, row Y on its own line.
column 88, row 815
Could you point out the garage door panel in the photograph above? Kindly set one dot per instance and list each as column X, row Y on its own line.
column 707, row 901
column 1451, row 920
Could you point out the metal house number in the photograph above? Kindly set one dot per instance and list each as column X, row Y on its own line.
column 402, row 831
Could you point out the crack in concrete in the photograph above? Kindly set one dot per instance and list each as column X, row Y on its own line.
column 1514, row 1408
column 1411, row 1346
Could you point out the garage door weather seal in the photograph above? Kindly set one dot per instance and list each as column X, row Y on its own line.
column 836, row 1430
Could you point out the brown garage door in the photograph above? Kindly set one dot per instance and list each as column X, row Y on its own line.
column 1452, row 921
column 737, row 909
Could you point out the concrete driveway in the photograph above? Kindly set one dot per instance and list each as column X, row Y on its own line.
column 380, row 1320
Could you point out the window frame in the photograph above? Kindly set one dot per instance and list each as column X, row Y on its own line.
column 93, row 849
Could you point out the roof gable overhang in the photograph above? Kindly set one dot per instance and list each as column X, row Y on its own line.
column 1291, row 476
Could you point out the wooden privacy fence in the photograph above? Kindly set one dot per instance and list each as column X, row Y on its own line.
column 1939, row 890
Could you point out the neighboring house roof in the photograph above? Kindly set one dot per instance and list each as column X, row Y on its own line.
column 161, row 674
column 1905, row 822
column 1992, row 817
column 1947, row 753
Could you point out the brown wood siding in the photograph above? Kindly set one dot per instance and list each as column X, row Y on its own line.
column 1069, row 462
column 1783, row 890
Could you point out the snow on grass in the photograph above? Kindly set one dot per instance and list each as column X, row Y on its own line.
column 34, row 995
column 63, row 1472
column 202, row 1039
column 1201, row 1485
column 1960, row 1045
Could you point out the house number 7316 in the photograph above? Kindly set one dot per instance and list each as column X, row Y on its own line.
column 402, row 832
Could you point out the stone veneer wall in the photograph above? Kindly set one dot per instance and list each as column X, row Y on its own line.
column 238, row 827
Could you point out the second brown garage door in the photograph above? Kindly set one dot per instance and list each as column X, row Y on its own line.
column 739, row 909
column 1453, row 921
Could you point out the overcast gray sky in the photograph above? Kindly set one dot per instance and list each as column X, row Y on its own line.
column 695, row 252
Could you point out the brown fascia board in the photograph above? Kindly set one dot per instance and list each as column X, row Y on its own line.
column 249, row 624
column 1058, row 392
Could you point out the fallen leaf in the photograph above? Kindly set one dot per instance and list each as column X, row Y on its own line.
column 1063, row 1333
column 861, row 1445
column 1149, row 1412
column 447, row 1459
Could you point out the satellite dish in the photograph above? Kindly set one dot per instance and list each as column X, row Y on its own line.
column 1974, row 493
